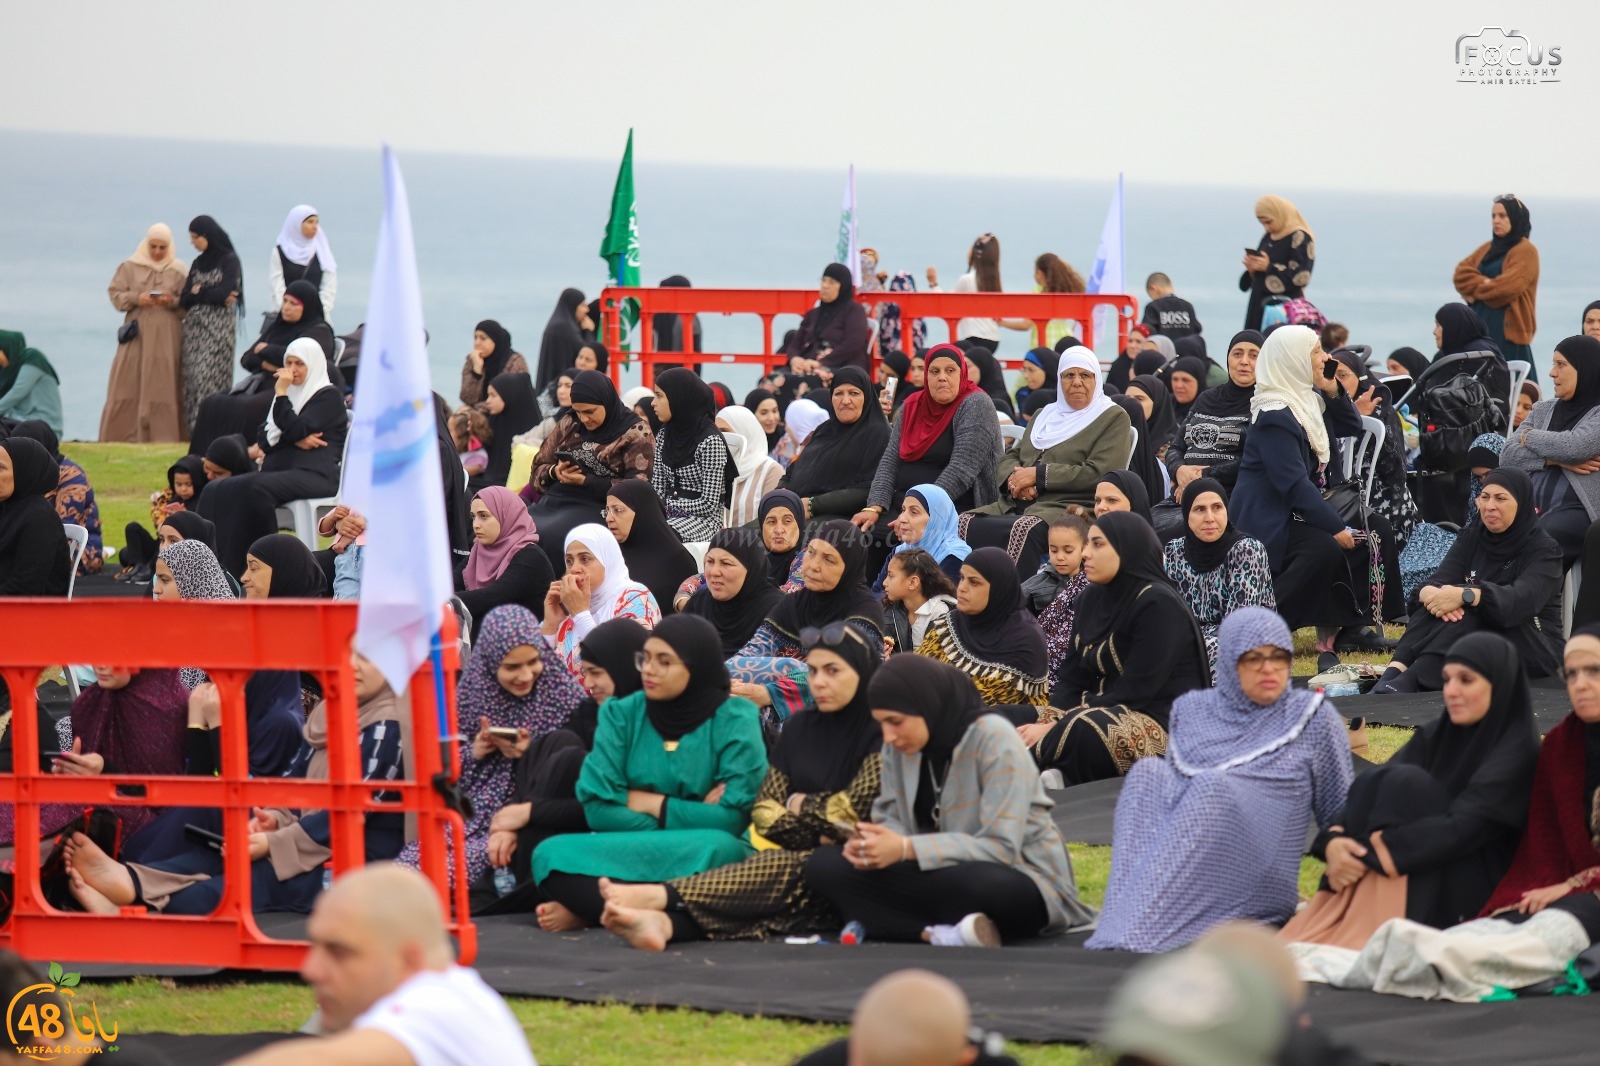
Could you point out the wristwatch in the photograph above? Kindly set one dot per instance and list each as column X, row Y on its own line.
column 1469, row 597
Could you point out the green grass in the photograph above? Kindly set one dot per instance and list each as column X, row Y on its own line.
column 123, row 477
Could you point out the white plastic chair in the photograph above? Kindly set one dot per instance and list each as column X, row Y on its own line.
column 302, row 516
column 1133, row 445
column 1569, row 596
column 1361, row 459
column 78, row 542
column 1520, row 369
column 1011, row 434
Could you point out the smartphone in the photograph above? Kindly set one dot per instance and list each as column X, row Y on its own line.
column 204, row 837
column 1330, row 369
column 844, row 830
column 1252, row 251
column 503, row 732
column 889, row 387
column 567, row 457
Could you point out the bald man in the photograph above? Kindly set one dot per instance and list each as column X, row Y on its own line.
column 909, row 1018
column 387, row 985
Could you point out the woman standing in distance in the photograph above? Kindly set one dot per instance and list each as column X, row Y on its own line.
column 1500, row 279
column 213, row 299
column 144, row 397
column 1282, row 262
column 303, row 253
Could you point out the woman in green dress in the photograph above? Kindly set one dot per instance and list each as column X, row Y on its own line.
column 824, row 774
column 668, row 788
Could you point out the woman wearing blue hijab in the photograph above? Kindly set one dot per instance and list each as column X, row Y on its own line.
column 928, row 520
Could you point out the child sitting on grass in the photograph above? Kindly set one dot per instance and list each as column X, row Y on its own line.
column 185, row 479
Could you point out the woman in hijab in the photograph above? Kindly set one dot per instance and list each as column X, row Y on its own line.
column 834, row 334
column 1390, row 497
column 693, row 469
column 1121, row 490
column 907, row 371
column 1159, row 353
column 1210, row 441
column 1040, row 368
column 1161, row 419
column 782, row 520
column 1141, row 463
column 824, row 771
column 990, row 377
column 1500, row 279
column 512, row 411
column 758, row 475
column 1456, row 329
column 1194, row 347
column 303, row 445
column 226, row 456
column 928, row 521
column 1503, row 574
column 1252, row 759
column 491, row 356
column 668, row 329
column 989, row 636
column 736, row 597
column 841, row 456
column 601, row 442
column 595, row 588
column 1104, row 714
column 1428, row 835
column 834, row 571
column 654, row 555
column 669, row 786
column 213, row 299
column 507, row 563
column 960, row 848
column 304, row 254
column 1282, row 263
column 1067, row 446
column 515, row 680
column 143, row 398
column 763, row 403
column 801, row 419
column 640, row 400
column 74, row 496
column 1188, row 380
column 1278, row 501
column 1406, row 362
column 1550, row 445
column 187, row 570
column 946, row 434
column 279, row 566
column 243, row 408
column 30, row 388
column 34, row 556
column 553, row 402
column 564, row 334
column 1215, row 568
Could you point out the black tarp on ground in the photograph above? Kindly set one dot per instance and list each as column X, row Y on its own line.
column 103, row 585
column 1413, row 709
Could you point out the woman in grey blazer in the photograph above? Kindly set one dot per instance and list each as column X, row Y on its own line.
column 1558, row 444
column 960, row 849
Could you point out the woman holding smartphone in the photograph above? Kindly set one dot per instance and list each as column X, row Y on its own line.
column 144, row 400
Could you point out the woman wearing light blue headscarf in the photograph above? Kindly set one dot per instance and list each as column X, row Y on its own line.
column 928, row 520
column 1215, row 831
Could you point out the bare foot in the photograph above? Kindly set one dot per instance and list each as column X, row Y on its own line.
column 88, row 898
column 643, row 897
column 100, row 871
column 554, row 918
column 647, row 930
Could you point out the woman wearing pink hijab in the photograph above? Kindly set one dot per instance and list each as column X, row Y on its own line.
column 506, row 564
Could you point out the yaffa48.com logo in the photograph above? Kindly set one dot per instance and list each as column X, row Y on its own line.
column 44, row 1022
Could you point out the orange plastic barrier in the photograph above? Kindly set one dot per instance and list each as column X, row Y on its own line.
column 767, row 304
column 230, row 641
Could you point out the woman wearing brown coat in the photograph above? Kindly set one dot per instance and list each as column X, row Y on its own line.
column 1500, row 279
column 144, row 400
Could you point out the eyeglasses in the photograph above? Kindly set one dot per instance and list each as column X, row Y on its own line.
column 1253, row 659
column 665, row 662
column 831, row 635
column 1586, row 673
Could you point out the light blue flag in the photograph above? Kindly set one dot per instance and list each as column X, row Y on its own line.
column 391, row 472
column 1108, row 258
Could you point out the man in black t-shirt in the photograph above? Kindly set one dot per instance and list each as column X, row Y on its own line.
column 1167, row 314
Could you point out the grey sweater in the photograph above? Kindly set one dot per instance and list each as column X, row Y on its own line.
column 1531, row 444
column 992, row 809
column 973, row 460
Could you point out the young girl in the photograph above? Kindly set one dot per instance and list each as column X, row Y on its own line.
column 185, row 479
column 915, row 592
column 1064, row 575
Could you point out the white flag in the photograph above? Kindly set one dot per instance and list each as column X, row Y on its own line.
column 1107, row 273
column 391, row 473
column 848, row 251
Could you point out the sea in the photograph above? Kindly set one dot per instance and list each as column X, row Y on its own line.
column 500, row 236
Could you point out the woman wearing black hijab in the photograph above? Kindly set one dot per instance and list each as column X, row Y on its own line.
column 1500, row 279
column 763, row 403
column 280, row 567
column 655, row 556
column 1503, row 575
column 228, row 455
column 1040, row 368
column 513, row 410
column 960, row 849
column 491, row 356
column 835, row 472
column 1456, row 329
column 693, row 470
column 835, row 333
column 34, row 557
column 1128, row 494
column 990, row 378
column 1215, row 568
column 1429, row 834
column 1186, row 378
column 1135, row 648
column 1407, row 362
column 782, row 521
column 1161, row 419
column 243, row 408
column 737, row 597
column 658, row 754
column 824, row 770
column 1142, row 465
column 564, row 334
column 1210, row 441
column 989, row 636
column 213, row 297
column 1558, row 440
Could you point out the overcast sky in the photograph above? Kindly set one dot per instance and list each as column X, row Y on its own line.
column 1364, row 95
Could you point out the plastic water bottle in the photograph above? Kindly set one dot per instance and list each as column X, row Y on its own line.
column 327, row 876
column 853, row 933
column 504, row 880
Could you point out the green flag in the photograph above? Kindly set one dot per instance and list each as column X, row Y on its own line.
column 620, row 247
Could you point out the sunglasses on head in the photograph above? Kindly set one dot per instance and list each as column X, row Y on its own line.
column 831, row 636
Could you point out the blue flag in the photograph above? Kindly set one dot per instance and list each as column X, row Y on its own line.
column 391, row 471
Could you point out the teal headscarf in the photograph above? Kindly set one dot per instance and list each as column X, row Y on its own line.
column 942, row 536
column 17, row 355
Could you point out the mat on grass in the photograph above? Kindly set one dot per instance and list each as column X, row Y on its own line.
column 103, row 585
column 1412, row 709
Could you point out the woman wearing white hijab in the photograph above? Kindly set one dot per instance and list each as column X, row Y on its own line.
column 302, row 444
column 144, row 399
column 596, row 588
column 303, row 251
column 800, row 421
column 1071, row 444
column 1278, row 497
column 758, row 474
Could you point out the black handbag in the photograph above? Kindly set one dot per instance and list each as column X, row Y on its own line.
column 1347, row 499
column 129, row 331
